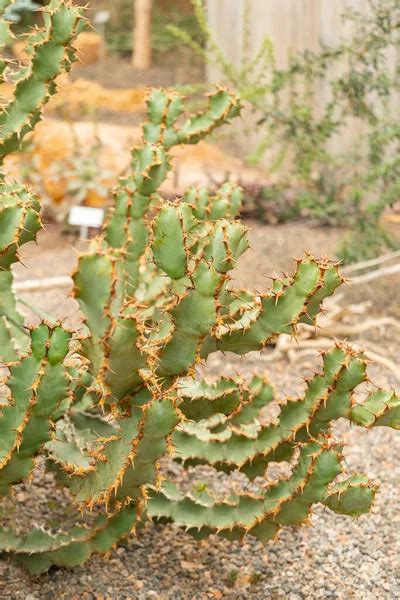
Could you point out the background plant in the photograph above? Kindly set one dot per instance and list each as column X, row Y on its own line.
column 354, row 188
column 80, row 176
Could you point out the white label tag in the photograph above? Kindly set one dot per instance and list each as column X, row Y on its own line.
column 86, row 216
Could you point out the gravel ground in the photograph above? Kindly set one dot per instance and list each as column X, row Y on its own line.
column 337, row 558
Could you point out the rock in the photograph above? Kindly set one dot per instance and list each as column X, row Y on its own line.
column 190, row 566
column 139, row 584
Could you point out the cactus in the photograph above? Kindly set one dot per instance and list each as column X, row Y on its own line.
column 50, row 53
column 106, row 404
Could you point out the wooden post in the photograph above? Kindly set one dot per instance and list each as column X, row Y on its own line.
column 141, row 57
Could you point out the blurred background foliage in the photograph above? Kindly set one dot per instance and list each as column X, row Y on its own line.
column 353, row 188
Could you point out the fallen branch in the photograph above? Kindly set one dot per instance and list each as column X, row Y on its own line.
column 384, row 272
column 343, row 329
column 297, row 349
column 64, row 281
column 48, row 283
column 373, row 262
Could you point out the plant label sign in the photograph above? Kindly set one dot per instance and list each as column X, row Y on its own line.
column 85, row 217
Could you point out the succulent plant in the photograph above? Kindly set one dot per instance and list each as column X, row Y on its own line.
column 106, row 404
column 50, row 51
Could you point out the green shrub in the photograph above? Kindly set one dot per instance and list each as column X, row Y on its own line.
column 358, row 185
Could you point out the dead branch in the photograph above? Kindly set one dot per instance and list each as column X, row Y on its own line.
column 384, row 272
column 48, row 283
column 296, row 350
column 373, row 262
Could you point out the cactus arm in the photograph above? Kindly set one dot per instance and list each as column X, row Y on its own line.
column 112, row 346
column 95, row 487
column 196, row 284
column 19, row 224
column 279, row 311
column 6, row 35
column 224, row 204
column 38, row 550
column 240, row 447
column 328, row 397
column 130, row 459
column 380, row 409
column 286, row 502
column 13, row 338
column 330, row 280
column 50, row 54
column 196, row 311
column 20, row 220
column 182, row 350
column 222, row 107
column 38, row 384
column 93, row 283
column 338, row 403
column 257, row 397
column 126, row 227
column 14, row 413
column 251, row 449
column 121, row 370
column 158, row 421
column 168, row 245
column 164, row 110
column 200, row 400
column 78, row 439
column 352, row 497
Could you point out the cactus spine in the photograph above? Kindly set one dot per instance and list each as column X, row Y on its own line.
column 106, row 405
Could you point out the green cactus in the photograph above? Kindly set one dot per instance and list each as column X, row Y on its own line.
column 50, row 53
column 106, row 404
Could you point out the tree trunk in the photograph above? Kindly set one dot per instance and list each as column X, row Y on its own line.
column 141, row 57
